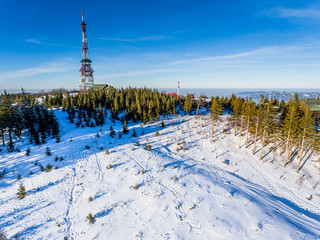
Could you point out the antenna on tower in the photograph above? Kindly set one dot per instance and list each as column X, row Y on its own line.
column 86, row 70
column 178, row 88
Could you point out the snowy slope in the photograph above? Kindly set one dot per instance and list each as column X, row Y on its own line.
column 209, row 190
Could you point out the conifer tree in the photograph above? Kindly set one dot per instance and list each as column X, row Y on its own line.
column 21, row 192
column 125, row 129
column 258, row 113
column 187, row 106
column 236, row 108
column 307, row 125
column 200, row 103
column 216, row 110
column 112, row 132
column 249, row 109
column 134, row 133
column 290, row 127
column 265, row 121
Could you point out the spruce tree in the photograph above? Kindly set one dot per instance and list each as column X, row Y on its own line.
column 187, row 106
column 236, row 108
column 134, row 133
column 112, row 132
column 125, row 129
column 216, row 110
column 307, row 125
column 290, row 128
column 249, row 109
column 21, row 192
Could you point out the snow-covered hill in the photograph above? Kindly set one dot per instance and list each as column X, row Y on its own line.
column 187, row 187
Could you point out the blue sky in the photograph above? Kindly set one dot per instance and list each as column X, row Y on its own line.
column 202, row 44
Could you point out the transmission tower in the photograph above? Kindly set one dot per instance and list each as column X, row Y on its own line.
column 86, row 70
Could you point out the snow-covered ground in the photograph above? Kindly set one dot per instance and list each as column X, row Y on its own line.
column 187, row 187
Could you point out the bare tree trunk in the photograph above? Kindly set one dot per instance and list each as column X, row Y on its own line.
column 301, row 149
column 240, row 131
column 212, row 130
column 263, row 139
column 2, row 135
column 198, row 105
column 288, row 141
column 235, row 128
column 256, row 135
column 248, row 122
column 286, row 157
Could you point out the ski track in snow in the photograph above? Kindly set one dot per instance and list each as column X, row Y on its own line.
column 208, row 199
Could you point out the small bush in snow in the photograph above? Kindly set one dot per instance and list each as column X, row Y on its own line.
column 175, row 178
column 109, row 166
column 2, row 235
column 107, row 151
column 134, row 133
column 149, row 148
column 41, row 168
column 137, row 143
column 48, row 152
column 31, row 172
column 136, row 187
column 142, row 171
column 2, row 173
column 28, row 151
column 87, row 147
column 48, row 168
column 163, row 125
column 58, row 224
column 19, row 177
column 90, row 199
column 157, row 133
column 91, row 218
column 21, row 192
column 56, row 158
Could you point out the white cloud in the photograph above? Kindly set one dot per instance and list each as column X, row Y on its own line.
column 256, row 52
column 294, row 13
column 35, row 41
column 32, row 40
column 50, row 67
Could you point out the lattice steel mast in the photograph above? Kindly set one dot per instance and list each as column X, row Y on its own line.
column 86, row 70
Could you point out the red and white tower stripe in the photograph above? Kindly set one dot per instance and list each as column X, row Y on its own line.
column 86, row 70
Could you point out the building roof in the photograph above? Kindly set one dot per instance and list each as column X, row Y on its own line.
column 99, row 86
column 313, row 104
